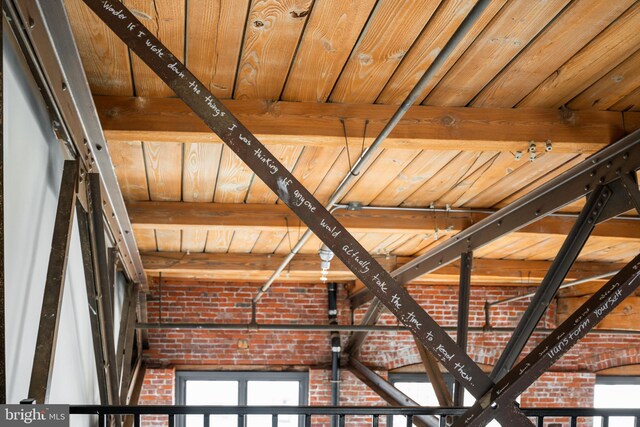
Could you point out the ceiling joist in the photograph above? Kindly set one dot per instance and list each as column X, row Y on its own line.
column 315, row 124
column 277, row 217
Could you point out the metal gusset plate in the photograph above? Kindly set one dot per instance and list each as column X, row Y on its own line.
column 265, row 165
column 552, row 348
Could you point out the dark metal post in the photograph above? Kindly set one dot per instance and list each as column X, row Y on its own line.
column 558, row 271
column 464, row 294
column 335, row 348
column 92, row 300
column 435, row 376
column 102, row 278
column 51, row 303
column 388, row 392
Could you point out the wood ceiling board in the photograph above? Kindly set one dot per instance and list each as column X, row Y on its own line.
column 193, row 240
column 443, row 236
column 268, row 242
column 612, row 88
column 105, row 58
column 163, row 163
column 214, row 37
column 549, row 175
column 166, row 20
column 199, row 171
column 288, row 155
column 382, row 173
column 471, row 182
column 218, row 241
column 243, row 241
column 128, row 162
column 331, row 32
column 412, row 245
column 420, row 170
column 314, row 124
column 164, row 173
column 630, row 102
column 169, row 240
column 145, row 239
column 621, row 252
column 234, row 178
column 424, row 51
column 522, row 176
column 339, row 170
column 498, row 247
column 611, row 47
column 509, row 32
column 544, row 250
column 448, row 177
column 389, row 34
column 499, row 167
column 313, row 165
column 272, row 34
column 389, row 243
column 373, row 241
column 576, row 26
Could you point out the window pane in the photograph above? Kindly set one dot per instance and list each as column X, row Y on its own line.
column 273, row 393
column 420, row 392
column 212, row 393
column 616, row 396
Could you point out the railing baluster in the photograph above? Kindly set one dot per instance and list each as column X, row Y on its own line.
column 540, row 422
column 206, row 418
column 443, row 421
column 136, row 420
column 409, row 420
column 102, row 420
column 637, row 423
column 605, row 421
column 307, row 420
column 172, row 420
column 574, row 421
column 274, row 420
column 240, row 420
column 341, row 420
column 374, row 421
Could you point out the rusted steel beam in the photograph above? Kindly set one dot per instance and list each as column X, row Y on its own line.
column 45, row 350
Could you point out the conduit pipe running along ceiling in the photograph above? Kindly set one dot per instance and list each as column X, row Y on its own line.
column 435, row 66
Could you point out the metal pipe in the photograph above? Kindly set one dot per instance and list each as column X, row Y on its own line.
column 563, row 286
column 461, row 211
column 435, row 66
column 328, row 328
column 335, row 348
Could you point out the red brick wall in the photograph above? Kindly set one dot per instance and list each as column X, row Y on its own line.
column 184, row 301
column 158, row 388
column 561, row 389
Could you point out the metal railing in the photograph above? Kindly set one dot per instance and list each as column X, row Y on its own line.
column 372, row 414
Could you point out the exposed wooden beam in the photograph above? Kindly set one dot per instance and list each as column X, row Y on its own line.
column 317, row 124
column 182, row 215
column 225, row 266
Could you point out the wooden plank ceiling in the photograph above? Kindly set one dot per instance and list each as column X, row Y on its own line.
column 318, row 79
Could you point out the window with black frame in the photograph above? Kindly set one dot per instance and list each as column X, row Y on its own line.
column 616, row 392
column 239, row 389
